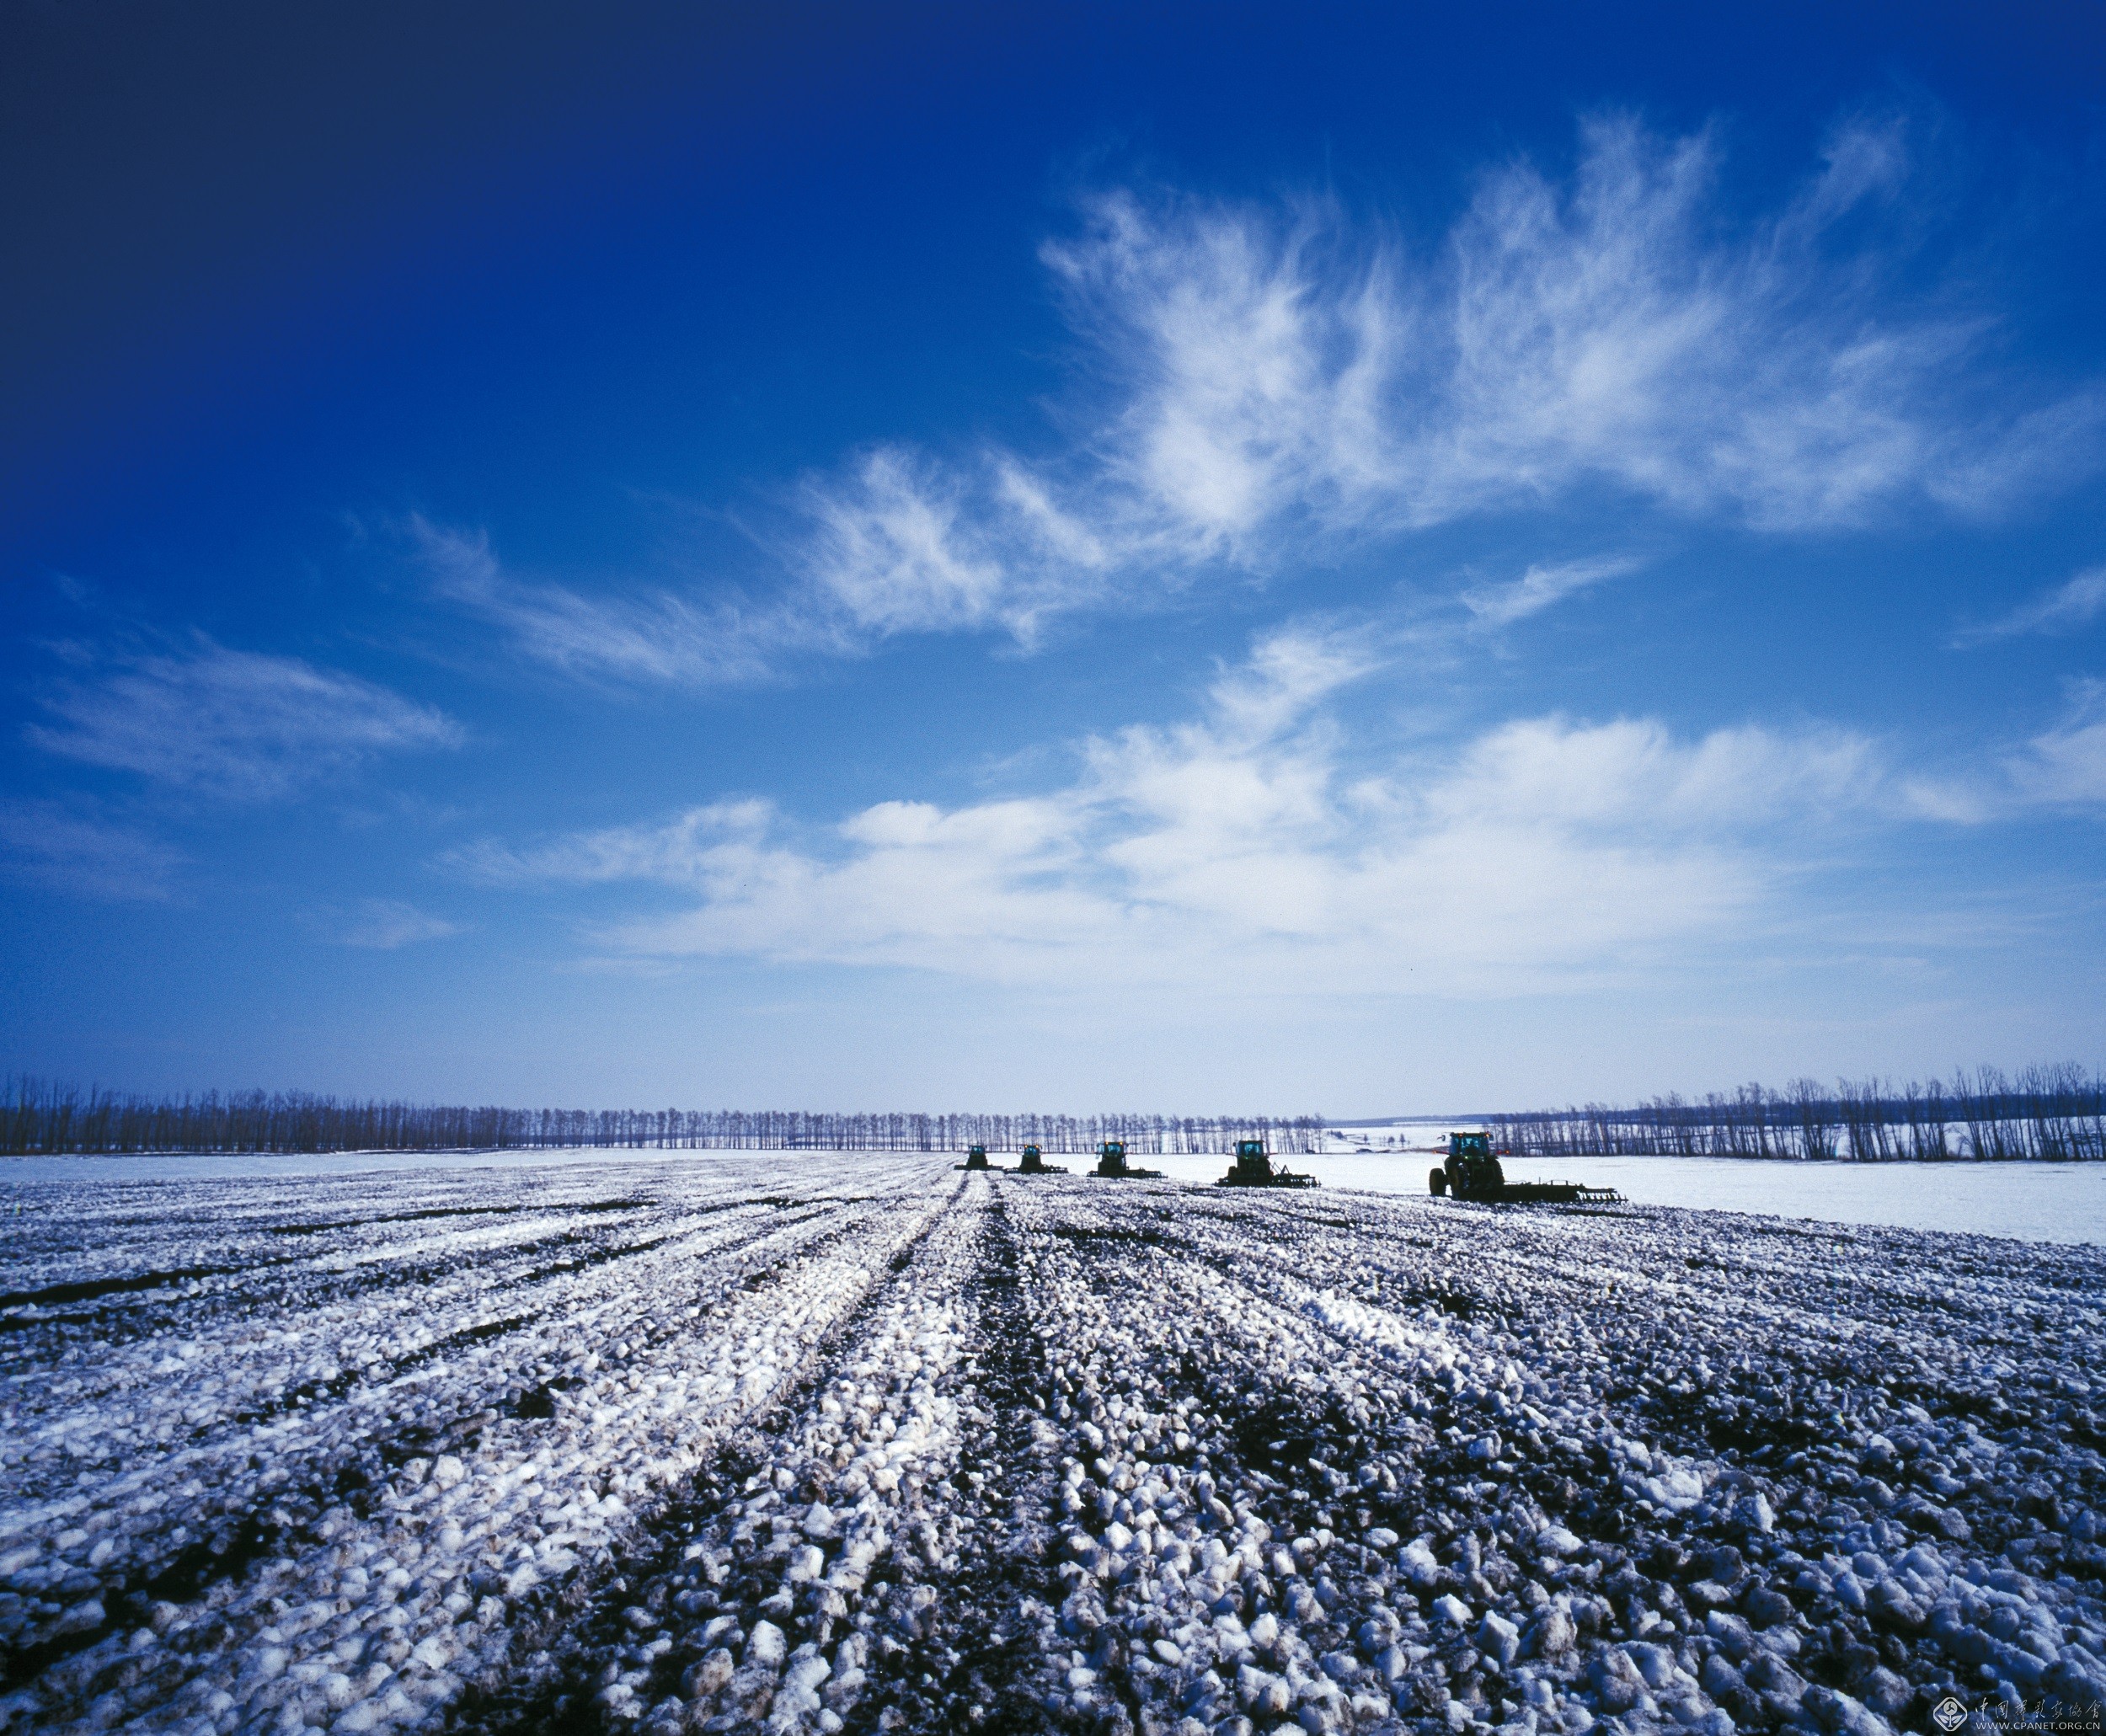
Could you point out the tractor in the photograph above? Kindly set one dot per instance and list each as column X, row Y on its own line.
column 1472, row 1173
column 1253, row 1169
column 1035, row 1163
column 1112, row 1165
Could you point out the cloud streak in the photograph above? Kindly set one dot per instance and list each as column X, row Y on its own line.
column 66, row 849
column 2064, row 609
column 660, row 638
column 2065, row 767
column 1539, row 588
column 232, row 725
column 386, row 925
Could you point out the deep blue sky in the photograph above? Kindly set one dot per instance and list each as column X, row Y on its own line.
column 1357, row 558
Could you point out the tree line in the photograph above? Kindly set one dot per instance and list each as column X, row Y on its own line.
column 2054, row 1112
column 39, row 1116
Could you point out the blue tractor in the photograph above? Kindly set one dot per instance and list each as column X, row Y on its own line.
column 1472, row 1173
column 1253, row 1169
column 1112, row 1165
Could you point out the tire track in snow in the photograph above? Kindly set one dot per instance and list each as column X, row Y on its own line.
column 751, row 1593
column 459, row 1611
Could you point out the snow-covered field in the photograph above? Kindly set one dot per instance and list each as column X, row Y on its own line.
column 721, row 1441
column 2034, row 1202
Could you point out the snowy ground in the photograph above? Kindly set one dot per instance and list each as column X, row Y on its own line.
column 751, row 1440
column 2033, row 1202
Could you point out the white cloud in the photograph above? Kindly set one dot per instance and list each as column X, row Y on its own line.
column 658, row 638
column 895, row 544
column 1539, row 588
column 388, row 924
column 2064, row 609
column 2024, row 453
column 1289, row 671
column 2062, row 767
column 891, row 548
column 1245, row 847
column 1273, row 367
column 1635, row 773
column 2065, row 766
column 667, row 853
column 239, row 725
column 72, row 851
column 1269, row 381
column 1249, row 352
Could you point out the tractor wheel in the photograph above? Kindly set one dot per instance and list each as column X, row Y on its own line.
column 1437, row 1182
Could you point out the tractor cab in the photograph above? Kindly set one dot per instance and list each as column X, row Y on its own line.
column 1472, row 1171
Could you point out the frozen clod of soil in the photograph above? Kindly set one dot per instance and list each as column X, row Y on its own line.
column 813, row 1443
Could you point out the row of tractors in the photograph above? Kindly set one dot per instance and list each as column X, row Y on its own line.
column 1253, row 1168
column 1472, row 1172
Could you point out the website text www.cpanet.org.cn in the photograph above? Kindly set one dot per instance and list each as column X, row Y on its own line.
column 1998, row 1716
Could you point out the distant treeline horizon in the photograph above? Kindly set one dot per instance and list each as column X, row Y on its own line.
column 2052, row 1114
column 39, row 1118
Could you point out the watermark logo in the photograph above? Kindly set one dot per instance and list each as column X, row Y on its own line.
column 2021, row 1718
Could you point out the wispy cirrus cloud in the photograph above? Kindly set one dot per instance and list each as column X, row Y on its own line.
column 1619, row 326
column 1264, row 383
column 1271, row 372
column 665, row 854
column 895, row 546
column 234, row 725
column 1540, row 587
column 661, row 636
column 2061, row 768
column 384, row 925
column 894, row 543
column 2064, row 767
column 72, row 847
column 2064, row 609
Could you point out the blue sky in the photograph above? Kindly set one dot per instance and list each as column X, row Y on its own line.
column 1243, row 557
